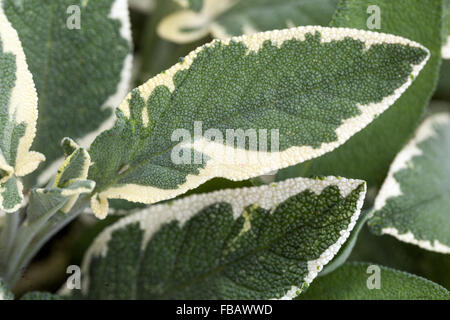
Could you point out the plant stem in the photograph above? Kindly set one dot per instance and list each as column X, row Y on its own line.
column 7, row 239
column 26, row 248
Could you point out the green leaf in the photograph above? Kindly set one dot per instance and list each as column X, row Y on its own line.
column 5, row 293
column 252, row 243
column 388, row 251
column 368, row 154
column 227, row 18
column 77, row 89
column 350, row 282
column 70, row 182
column 74, row 172
column 59, row 197
column 413, row 204
column 18, row 116
column 287, row 96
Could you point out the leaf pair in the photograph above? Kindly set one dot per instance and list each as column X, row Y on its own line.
column 76, row 90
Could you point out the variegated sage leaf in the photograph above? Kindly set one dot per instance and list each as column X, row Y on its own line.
column 79, row 54
column 18, row 116
column 246, row 106
column 69, row 183
column 414, row 204
column 252, row 243
column 74, row 171
column 363, row 281
column 368, row 155
column 227, row 18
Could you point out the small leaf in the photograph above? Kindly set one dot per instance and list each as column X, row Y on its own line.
column 413, row 204
column 74, row 170
column 18, row 116
column 77, row 89
column 70, row 182
column 228, row 18
column 350, row 282
column 302, row 92
column 252, row 243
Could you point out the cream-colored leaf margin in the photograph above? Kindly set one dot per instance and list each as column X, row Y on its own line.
column 391, row 188
column 200, row 24
column 267, row 197
column 120, row 12
column 265, row 161
column 22, row 109
column 23, row 100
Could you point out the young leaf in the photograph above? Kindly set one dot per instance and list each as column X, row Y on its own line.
column 77, row 89
column 356, row 281
column 413, row 204
column 18, row 116
column 368, row 154
column 5, row 294
column 295, row 94
column 74, row 171
column 70, row 182
column 253, row 243
column 227, row 18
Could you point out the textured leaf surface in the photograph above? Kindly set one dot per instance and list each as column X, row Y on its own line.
column 74, row 172
column 345, row 251
column 18, row 116
column 350, row 283
column 228, row 18
column 79, row 73
column 70, row 182
column 369, row 154
column 253, row 243
column 414, row 204
column 304, row 83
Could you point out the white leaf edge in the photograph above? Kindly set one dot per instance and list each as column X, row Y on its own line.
column 391, row 188
column 267, row 161
column 267, row 196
